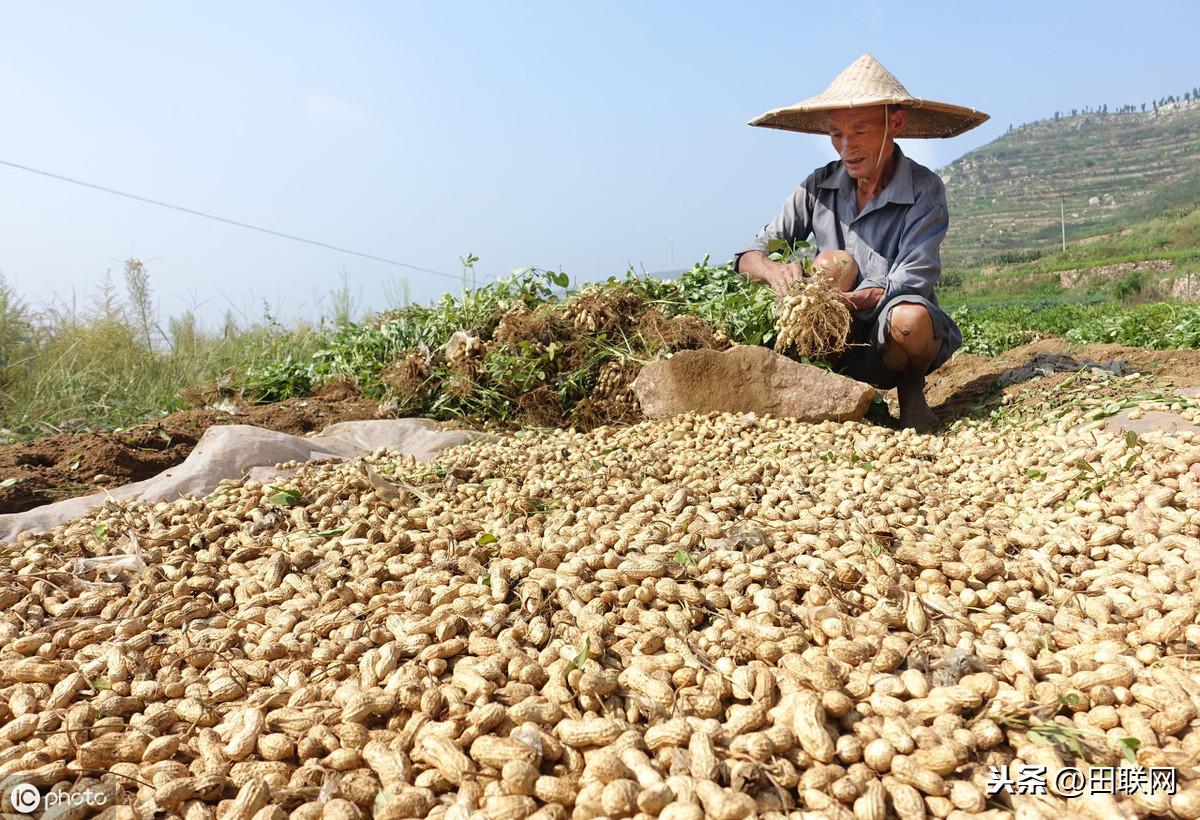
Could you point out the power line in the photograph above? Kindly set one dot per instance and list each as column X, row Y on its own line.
column 228, row 221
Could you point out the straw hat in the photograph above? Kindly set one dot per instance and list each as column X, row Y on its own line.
column 866, row 82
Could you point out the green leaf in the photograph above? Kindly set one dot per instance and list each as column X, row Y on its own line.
column 1069, row 699
column 101, row 531
column 583, row 656
column 1129, row 747
column 486, row 579
column 683, row 558
column 1034, row 474
column 101, row 684
column 332, row 532
column 560, row 279
column 287, row 498
column 1131, row 439
column 486, row 538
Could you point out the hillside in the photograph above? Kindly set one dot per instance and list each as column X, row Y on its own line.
column 1110, row 169
column 1146, row 259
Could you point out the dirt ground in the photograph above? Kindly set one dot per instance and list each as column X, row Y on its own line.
column 60, row 466
column 968, row 382
column 55, row 467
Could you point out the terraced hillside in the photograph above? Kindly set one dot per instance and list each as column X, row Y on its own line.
column 1109, row 169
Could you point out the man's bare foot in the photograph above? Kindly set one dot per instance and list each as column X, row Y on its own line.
column 914, row 410
column 923, row 420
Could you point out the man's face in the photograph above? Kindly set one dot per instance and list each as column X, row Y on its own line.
column 858, row 135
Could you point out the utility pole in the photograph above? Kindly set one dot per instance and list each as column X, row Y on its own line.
column 1062, row 210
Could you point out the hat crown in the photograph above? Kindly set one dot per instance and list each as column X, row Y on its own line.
column 866, row 82
column 866, row 79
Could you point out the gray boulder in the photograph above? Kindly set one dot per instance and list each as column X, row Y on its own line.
column 748, row 378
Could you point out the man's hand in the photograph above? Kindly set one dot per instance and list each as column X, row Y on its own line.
column 865, row 299
column 783, row 276
column 759, row 268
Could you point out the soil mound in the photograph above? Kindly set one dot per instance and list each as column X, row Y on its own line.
column 64, row 465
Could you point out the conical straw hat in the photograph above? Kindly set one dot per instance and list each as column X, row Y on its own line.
column 866, row 82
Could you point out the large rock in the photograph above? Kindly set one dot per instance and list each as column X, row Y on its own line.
column 745, row 379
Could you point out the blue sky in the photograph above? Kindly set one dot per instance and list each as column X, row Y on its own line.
column 581, row 137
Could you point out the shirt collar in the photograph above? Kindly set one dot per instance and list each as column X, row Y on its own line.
column 899, row 190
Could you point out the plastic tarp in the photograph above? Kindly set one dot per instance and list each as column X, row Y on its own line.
column 234, row 450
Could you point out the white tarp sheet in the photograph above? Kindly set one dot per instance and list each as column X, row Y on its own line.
column 230, row 451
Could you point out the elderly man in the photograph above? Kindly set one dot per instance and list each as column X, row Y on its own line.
column 878, row 219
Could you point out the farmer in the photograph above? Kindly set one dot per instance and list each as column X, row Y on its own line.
column 878, row 219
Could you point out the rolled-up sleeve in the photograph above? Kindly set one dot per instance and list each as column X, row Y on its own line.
column 918, row 264
column 792, row 223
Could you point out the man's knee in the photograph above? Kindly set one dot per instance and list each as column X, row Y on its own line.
column 911, row 326
column 839, row 267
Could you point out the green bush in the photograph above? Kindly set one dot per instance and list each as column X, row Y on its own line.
column 1129, row 285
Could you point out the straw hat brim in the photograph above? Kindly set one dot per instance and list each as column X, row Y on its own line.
column 927, row 119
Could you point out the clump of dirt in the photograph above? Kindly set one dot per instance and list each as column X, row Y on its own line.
column 541, row 407
column 969, row 384
column 613, row 400
column 683, row 332
column 539, row 327
column 603, row 311
column 64, row 465
column 407, row 380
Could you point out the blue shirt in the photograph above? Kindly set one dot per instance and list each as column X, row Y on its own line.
column 895, row 240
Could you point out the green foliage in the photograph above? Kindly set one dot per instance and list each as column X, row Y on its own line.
column 1158, row 326
column 343, row 302
column 61, row 370
column 16, row 329
column 726, row 300
column 1131, row 284
column 581, row 659
column 141, row 300
column 717, row 294
column 286, row 497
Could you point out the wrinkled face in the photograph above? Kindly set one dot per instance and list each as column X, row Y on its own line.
column 858, row 137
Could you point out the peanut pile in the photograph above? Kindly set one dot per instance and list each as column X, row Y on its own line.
column 706, row 616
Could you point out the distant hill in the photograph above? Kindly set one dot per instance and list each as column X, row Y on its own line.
column 1110, row 169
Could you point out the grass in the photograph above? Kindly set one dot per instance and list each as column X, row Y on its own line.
column 65, row 369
